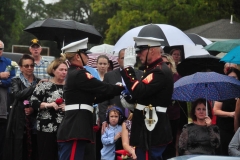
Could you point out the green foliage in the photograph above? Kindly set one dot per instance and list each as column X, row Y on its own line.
column 11, row 26
column 112, row 18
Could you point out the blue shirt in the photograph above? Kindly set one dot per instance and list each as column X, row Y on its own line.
column 4, row 62
column 108, row 150
column 93, row 72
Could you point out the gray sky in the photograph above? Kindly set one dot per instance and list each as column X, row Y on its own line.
column 46, row 1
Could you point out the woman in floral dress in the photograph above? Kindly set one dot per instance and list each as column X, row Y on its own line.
column 48, row 98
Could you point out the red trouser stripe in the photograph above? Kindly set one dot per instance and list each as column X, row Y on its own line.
column 147, row 155
column 74, row 146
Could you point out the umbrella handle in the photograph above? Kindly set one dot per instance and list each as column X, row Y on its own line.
column 206, row 108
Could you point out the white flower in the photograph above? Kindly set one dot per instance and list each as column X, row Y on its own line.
column 14, row 64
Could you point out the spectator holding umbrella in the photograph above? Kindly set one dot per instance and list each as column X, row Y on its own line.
column 199, row 137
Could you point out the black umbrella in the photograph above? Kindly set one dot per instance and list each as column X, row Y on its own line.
column 200, row 63
column 198, row 39
column 63, row 31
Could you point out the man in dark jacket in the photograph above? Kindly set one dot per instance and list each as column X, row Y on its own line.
column 150, row 130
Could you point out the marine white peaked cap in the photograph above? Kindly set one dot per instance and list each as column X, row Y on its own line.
column 76, row 46
column 147, row 41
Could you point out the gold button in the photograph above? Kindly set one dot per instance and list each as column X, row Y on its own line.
column 132, row 78
column 130, row 74
column 127, row 69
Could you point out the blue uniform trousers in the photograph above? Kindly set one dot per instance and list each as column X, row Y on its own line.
column 155, row 152
column 71, row 150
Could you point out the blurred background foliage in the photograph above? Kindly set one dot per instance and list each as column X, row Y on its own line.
column 112, row 18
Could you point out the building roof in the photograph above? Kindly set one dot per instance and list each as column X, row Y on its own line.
column 218, row 30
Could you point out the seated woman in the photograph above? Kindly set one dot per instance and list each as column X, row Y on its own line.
column 48, row 99
column 234, row 145
column 199, row 137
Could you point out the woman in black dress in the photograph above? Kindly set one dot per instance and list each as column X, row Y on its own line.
column 199, row 137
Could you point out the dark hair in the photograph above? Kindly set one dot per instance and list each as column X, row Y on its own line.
column 235, row 70
column 103, row 56
column 121, row 51
column 117, row 110
column 194, row 105
column 54, row 65
column 24, row 57
column 111, row 67
column 175, row 49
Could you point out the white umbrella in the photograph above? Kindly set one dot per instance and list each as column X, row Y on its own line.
column 103, row 48
column 172, row 36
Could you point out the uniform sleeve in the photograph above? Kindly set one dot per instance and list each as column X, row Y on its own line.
column 102, row 90
column 106, row 139
column 234, row 145
column 214, row 136
column 18, row 93
column 183, row 140
column 38, row 96
column 143, row 88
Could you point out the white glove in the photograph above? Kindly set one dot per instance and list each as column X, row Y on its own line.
column 129, row 57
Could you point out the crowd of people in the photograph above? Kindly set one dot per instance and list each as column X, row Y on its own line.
column 65, row 109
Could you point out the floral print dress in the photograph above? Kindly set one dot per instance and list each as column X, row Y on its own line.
column 48, row 119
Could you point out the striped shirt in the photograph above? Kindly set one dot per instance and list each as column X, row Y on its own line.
column 40, row 70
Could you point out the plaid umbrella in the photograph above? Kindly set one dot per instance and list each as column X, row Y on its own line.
column 93, row 60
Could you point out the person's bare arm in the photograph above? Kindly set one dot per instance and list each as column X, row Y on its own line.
column 237, row 116
column 217, row 109
column 125, row 142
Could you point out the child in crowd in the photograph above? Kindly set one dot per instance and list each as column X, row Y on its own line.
column 112, row 133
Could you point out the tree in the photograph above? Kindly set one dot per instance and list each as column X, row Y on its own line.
column 121, row 16
column 11, row 12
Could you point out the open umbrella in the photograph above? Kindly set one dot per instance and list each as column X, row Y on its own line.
column 103, row 48
column 208, row 85
column 200, row 63
column 92, row 59
column 233, row 56
column 172, row 36
column 223, row 46
column 198, row 40
column 63, row 31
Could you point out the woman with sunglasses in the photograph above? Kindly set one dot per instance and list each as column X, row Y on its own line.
column 21, row 126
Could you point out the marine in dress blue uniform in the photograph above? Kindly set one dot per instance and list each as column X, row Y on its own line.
column 81, row 91
column 150, row 131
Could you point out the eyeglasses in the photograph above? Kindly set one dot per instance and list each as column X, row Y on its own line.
column 1, row 49
column 27, row 66
column 168, row 63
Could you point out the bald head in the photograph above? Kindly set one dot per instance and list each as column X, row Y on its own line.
column 1, row 47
